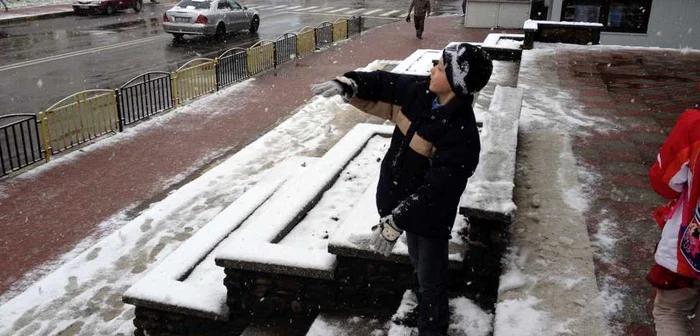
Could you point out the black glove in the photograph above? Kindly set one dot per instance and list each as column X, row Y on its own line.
column 408, row 18
column 343, row 86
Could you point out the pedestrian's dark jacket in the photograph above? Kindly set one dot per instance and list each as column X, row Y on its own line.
column 421, row 7
column 420, row 182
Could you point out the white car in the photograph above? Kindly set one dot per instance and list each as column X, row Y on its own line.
column 209, row 17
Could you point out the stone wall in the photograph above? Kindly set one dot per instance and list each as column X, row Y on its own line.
column 153, row 322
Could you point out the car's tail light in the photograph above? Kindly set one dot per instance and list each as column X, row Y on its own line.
column 165, row 18
column 201, row 19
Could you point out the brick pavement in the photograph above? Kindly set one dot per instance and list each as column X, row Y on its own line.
column 47, row 214
column 642, row 92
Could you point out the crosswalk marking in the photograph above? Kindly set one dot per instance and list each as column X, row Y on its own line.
column 356, row 11
column 321, row 9
column 306, row 8
column 338, row 10
column 391, row 12
column 373, row 11
column 388, row 13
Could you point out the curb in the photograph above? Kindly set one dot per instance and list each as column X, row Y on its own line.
column 37, row 17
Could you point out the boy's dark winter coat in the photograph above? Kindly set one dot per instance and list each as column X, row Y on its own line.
column 420, row 184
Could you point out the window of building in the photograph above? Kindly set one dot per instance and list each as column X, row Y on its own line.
column 629, row 16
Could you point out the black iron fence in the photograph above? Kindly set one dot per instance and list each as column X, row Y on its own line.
column 20, row 142
column 324, row 34
column 285, row 48
column 354, row 25
column 144, row 96
column 26, row 139
column 232, row 67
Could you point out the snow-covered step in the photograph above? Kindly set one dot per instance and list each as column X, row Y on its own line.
column 185, row 282
column 263, row 243
column 489, row 192
column 352, row 239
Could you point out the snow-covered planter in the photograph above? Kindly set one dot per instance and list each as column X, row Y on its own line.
column 561, row 32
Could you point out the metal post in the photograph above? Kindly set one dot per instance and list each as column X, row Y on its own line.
column 120, row 117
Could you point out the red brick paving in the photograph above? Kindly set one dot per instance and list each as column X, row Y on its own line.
column 647, row 91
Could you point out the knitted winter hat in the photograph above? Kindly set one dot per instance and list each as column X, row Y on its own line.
column 468, row 68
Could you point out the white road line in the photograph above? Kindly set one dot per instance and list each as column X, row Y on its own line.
column 278, row 7
column 321, row 9
column 306, row 8
column 93, row 50
column 263, row 7
column 373, row 11
column 389, row 13
column 293, row 8
column 356, row 11
column 338, row 10
column 79, row 53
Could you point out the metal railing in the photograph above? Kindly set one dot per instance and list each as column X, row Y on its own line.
column 354, row 25
column 324, row 34
column 78, row 118
column 306, row 41
column 231, row 67
column 340, row 29
column 20, row 142
column 285, row 48
column 261, row 56
column 194, row 79
column 144, row 96
column 90, row 114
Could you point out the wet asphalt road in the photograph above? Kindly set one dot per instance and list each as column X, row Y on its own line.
column 43, row 61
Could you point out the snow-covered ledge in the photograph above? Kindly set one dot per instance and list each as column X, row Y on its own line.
column 255, row 247
column 561, row 32
column 489, row 192
column 352, row 239
column 163, row 288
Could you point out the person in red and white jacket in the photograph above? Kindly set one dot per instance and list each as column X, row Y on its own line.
column 676, row 274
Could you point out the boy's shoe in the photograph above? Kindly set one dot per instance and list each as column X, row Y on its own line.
column 410, row 319
column 419, row 36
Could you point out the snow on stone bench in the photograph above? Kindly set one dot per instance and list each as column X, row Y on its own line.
column 489, row 192
column 268, row 243
column 177, row 284
column 561, row 32
column 352, row 239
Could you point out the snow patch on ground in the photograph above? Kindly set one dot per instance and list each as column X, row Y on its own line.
column 521, row 317
column 466, row 318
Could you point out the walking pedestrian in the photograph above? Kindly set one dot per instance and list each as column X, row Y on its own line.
column 464, row 7
column 422, row 9
column 434, row 150
column 5, row 5
column 676, row 273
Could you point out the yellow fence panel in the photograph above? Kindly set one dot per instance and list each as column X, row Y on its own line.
column 261, row 56
column 194, row 79
column 306, row 41
column 77, row 119
column 340, row 29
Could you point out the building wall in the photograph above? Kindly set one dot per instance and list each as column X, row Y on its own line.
column 672, row 24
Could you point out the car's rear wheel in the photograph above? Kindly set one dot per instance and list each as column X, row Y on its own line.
column 138, row 6
column 220, row 31
column 255, row 24
column 110, row 10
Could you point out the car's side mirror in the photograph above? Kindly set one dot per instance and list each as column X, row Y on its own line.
column 245, row 7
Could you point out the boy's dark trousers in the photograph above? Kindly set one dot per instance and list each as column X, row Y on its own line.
column 419, row 22
column 429, row 257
